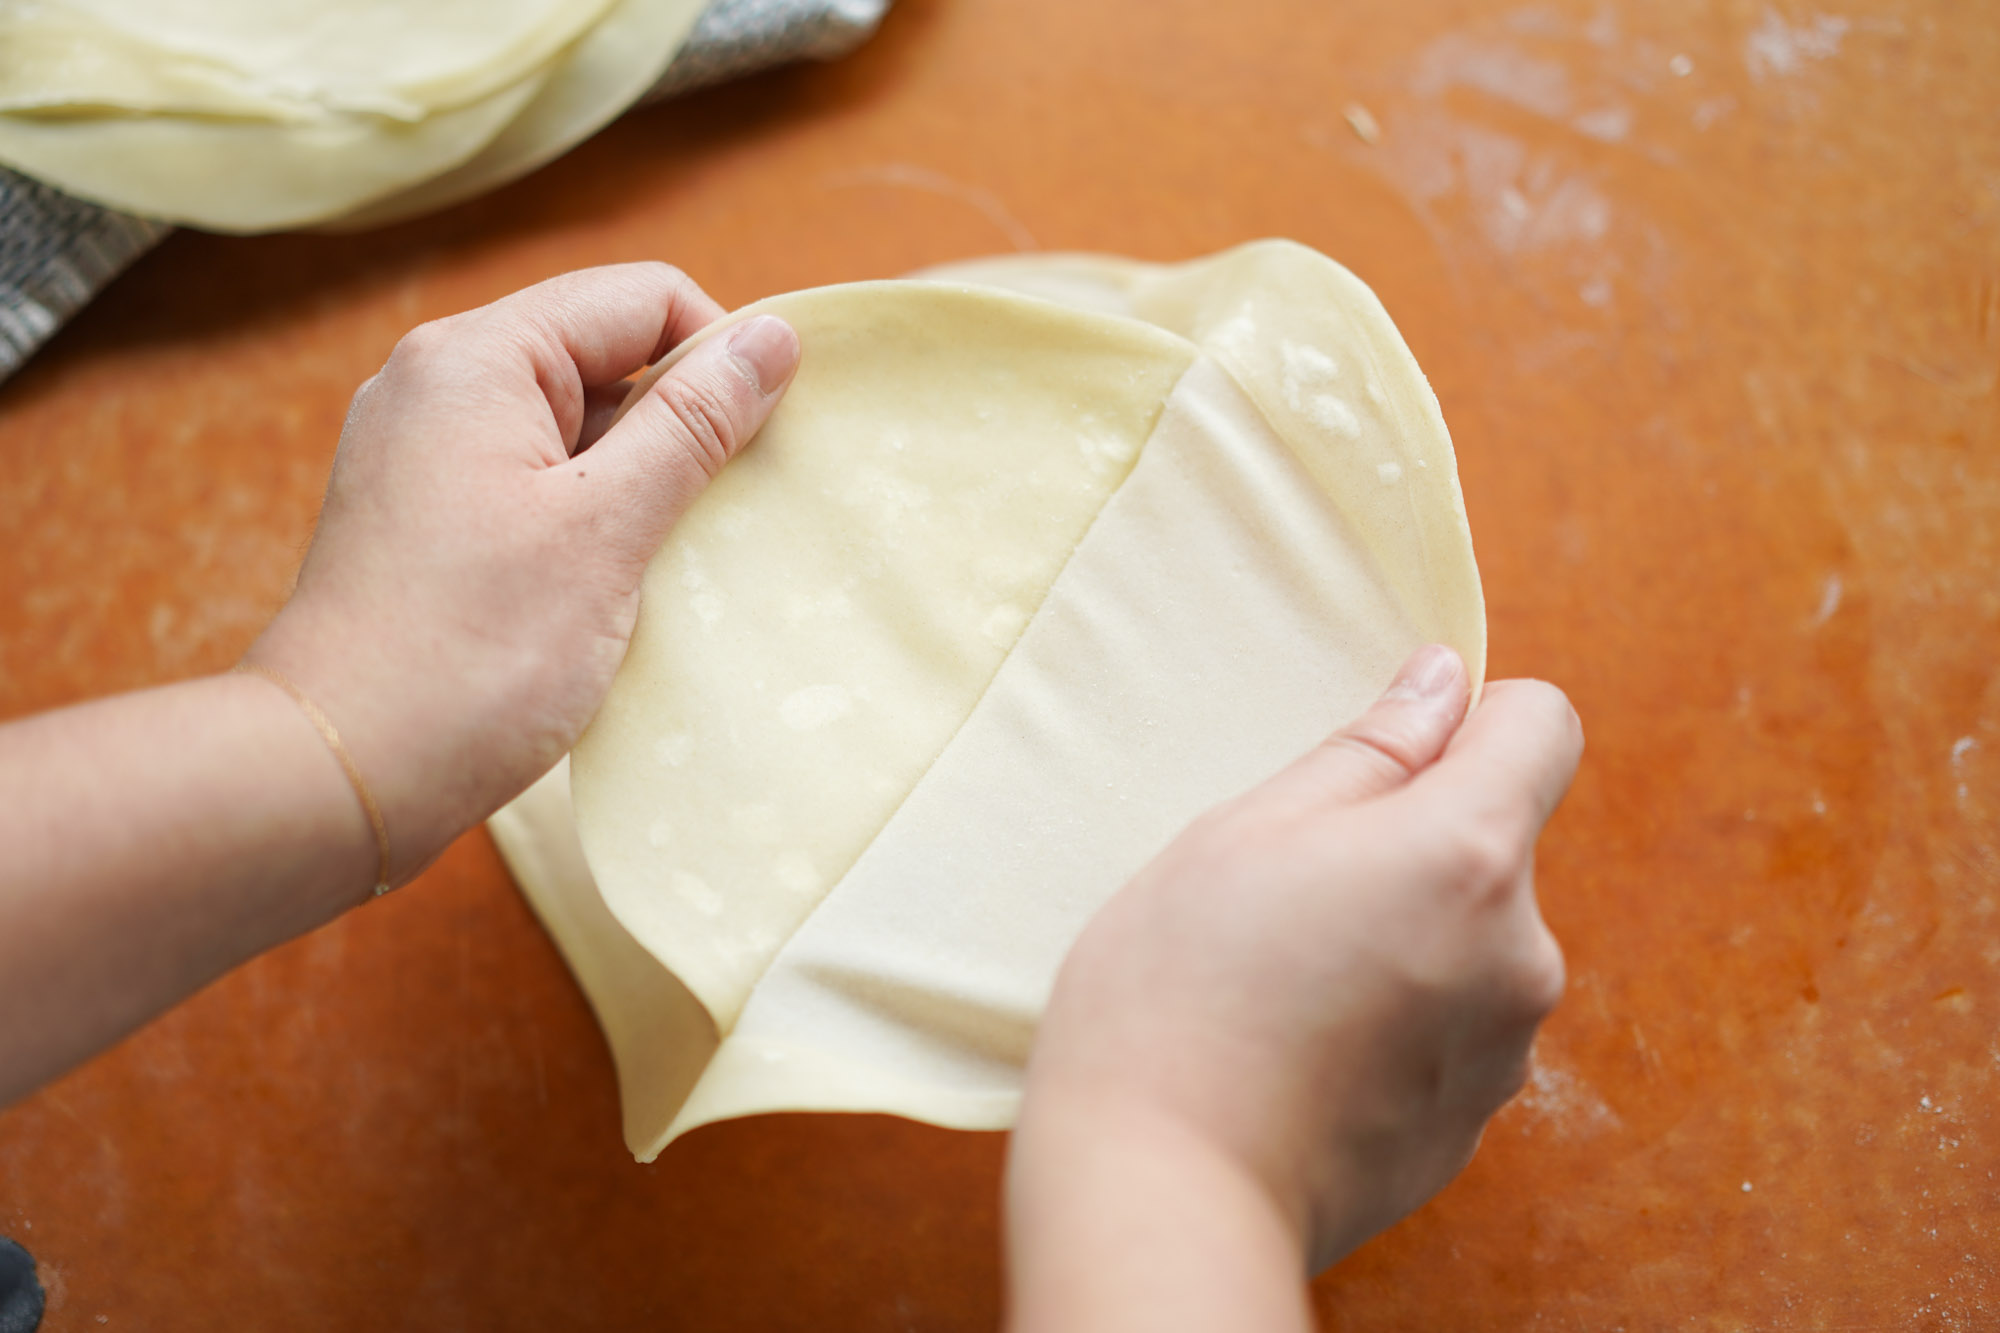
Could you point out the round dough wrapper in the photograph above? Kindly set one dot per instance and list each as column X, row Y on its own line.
column 1032, row 565
column 285, row 60
column 250, row 175
column 587, row 88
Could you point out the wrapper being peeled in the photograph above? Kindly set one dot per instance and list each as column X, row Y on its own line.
column 1038, row 559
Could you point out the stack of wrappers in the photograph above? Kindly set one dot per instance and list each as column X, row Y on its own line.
column 120, row 119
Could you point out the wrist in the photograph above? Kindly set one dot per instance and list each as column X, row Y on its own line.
column 329, row 735
column 391, row 725
column 331, row 846
column 1122, row 1214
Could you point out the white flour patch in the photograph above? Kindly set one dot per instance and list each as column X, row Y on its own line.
column 1829, row 600
column 1498, row 68
column 1558, row 1098
column 1331, row 413
column 815, row 706
column 1608, row 124
column 1781, row 48
column 691, row 890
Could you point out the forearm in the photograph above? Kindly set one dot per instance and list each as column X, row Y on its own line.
column 155, row 840
column 1120, row 1219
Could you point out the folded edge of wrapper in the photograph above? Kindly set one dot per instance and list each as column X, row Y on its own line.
column 1040, row 557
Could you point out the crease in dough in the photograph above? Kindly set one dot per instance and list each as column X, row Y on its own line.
column 1219, row 618
column 924, row 518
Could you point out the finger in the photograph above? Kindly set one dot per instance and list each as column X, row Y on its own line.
column 1510, row 764
column 695, row 418
column 608, row 322
column 1404, row 731
column 593, row 327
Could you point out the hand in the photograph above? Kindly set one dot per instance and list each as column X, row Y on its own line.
column 1320, row 992
column 475, row 575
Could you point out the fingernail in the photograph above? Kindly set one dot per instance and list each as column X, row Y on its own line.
column 1433, row 673
column 767, row 349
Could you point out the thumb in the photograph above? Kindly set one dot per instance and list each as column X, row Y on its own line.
column 1400, row 735
column 671, row 439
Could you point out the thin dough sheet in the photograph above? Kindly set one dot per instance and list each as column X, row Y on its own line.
column 245, row 120
column 1220, row 612
column 588, row 86
column 284, row 60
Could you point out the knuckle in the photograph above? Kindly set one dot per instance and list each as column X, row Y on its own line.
column 1541, row 975
column 1559, row 718
column 563, row 387
column 424, row 346
column 667, row 284
column 670, row 275
column 1484, row 858
column 1550, row 707
column 359, row 400
column 705, row 418
column 1376, row 747
column 1556, row 706
column 422, row 340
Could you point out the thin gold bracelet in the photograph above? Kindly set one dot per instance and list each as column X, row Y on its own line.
column 324, row 725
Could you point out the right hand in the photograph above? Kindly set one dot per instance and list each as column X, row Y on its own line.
column 1332, row 981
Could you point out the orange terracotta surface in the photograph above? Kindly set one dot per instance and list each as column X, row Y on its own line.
column 1711, row 296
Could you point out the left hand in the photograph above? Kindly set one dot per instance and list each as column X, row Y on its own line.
column 475, row 575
